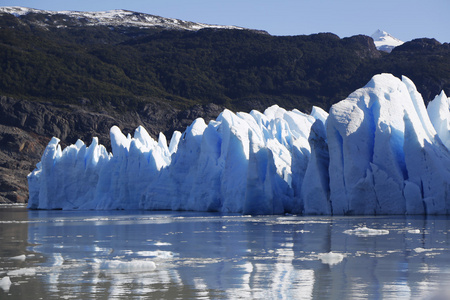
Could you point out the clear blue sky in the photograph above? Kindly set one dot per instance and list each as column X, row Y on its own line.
column 404, row 19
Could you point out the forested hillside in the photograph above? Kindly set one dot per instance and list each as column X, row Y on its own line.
column 238, row 69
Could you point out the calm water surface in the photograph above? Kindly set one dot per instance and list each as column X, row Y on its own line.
column 187, row 255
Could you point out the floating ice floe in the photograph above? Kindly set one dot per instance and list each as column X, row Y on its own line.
column 119, row 266
column 22, row 272
column 421, row 250
column 365, row 231
column 19, row 257
column 156, row 254
column 331, row 258
column 5, row 283
column 377, row 152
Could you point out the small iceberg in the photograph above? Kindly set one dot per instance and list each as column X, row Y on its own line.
column 19, row 257
column 331, row 258
column 22, row 272
column 5, row 283
column 365, row 231
column 117, row 266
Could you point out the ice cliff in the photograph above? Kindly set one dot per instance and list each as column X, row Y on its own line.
column 380, row 151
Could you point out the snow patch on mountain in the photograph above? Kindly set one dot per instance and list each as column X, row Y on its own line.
column 384, row 41
column 118, row 17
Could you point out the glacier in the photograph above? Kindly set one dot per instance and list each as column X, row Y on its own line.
column 378, row 152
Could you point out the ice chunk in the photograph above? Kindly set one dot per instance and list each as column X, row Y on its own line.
column 118, row 266
column 331, row 258
column 421, row 250
column 19, row 257
column 365, row 231
column 159, row 254
column 22, row 272
column 5, row 283
column 438, row 110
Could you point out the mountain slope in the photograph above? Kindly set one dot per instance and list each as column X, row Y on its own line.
column 112, row 18
column 237, row 68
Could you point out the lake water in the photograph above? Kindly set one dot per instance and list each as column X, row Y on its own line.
column 187, row 255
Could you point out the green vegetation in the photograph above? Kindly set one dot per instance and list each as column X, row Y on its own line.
column 238, row 69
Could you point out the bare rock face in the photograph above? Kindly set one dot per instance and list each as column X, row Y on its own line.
column 19, row 152
column 26, row 127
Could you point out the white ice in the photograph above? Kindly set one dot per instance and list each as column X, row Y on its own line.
column 331, row 258
column 377, row 152
column 22, row 272
column 384, row 157
column 5, row 283
column 19, row 257
column 365, row 231
column 118, row 266
column 439, row 112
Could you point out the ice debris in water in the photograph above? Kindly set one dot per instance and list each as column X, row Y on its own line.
column 119, row 266
column 19, row 257
column 365, row 231
column 376, row 152
column 421, row 250
column 5, row 283
column 331, row 258
column 22, row 272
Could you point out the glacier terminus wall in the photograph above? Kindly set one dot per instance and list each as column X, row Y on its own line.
column 380, row 151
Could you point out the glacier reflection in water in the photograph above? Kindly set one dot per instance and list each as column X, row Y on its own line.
column 170, row 255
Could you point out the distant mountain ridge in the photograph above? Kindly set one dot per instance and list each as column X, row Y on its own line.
column 117, row 17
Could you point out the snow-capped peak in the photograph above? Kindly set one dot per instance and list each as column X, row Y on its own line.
column 116, row 17
column 384, row 41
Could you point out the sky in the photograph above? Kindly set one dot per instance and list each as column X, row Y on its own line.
column 404, row 19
